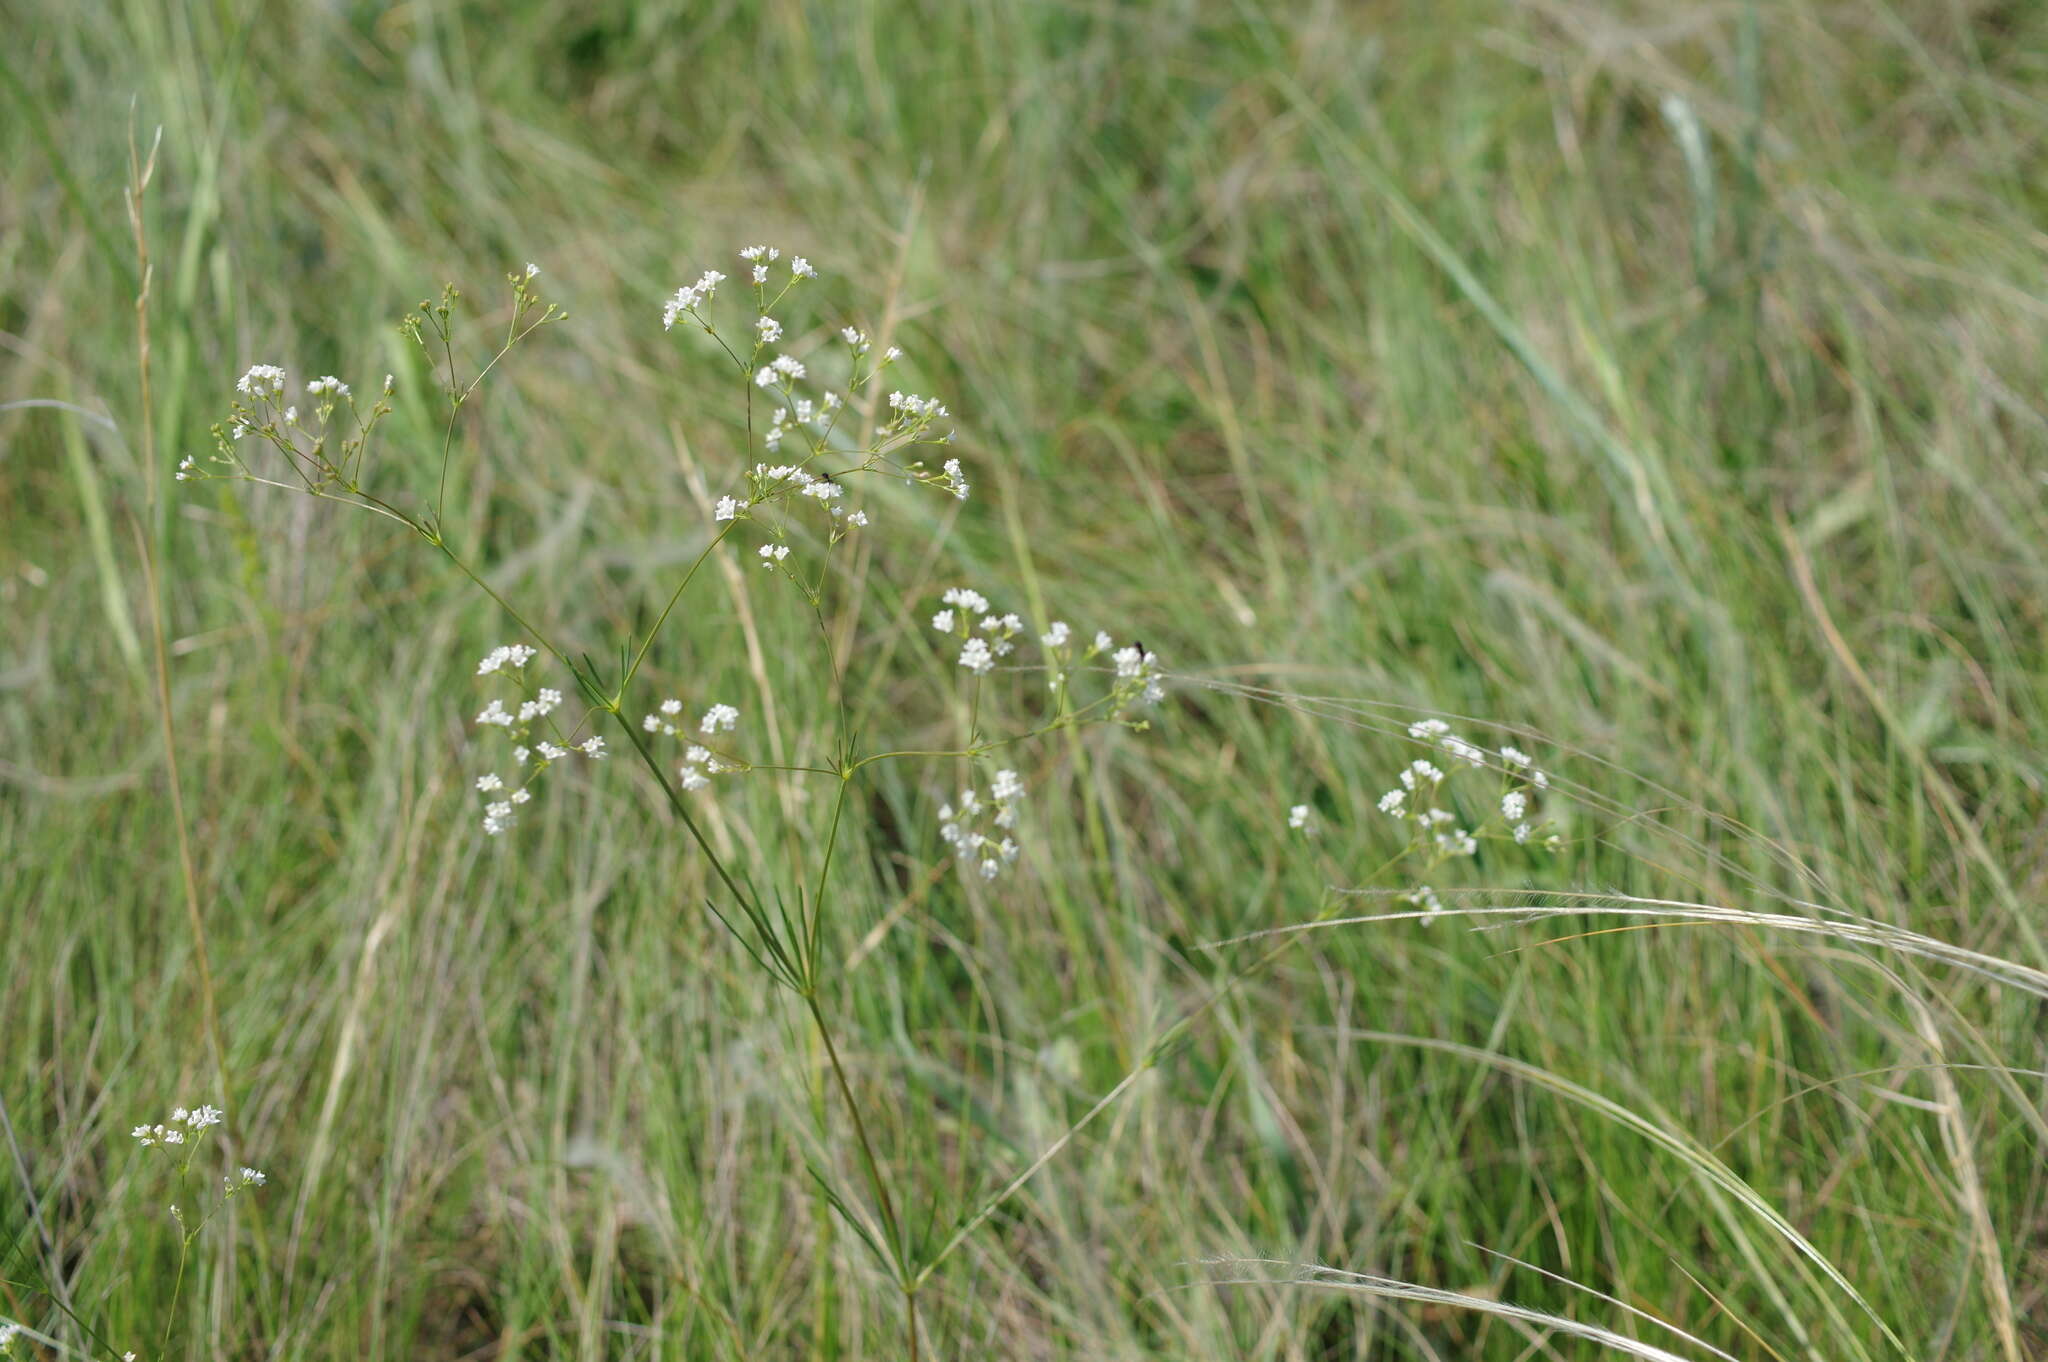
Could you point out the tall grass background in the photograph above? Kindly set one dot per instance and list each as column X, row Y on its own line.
column 1660, row 380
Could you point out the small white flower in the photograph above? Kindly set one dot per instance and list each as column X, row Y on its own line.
column 1394, row 802
column 771, row 554
column 1425, row 898
column 1514, row 756
column 520, row 796
column 955, row 480
column 486, row 783
column 1464, row 751
column 719, row 718
column 1302, row 819
column 328, row 386
column 520, row 754
column 542, row 705
column 1514, row 805
column 690, row 297
column 857, row 518
column 261, row 380
column 250, row 1177
column 692, row 778
column 909, row 406
column 508, row 655
column 1425, row 729
column 1522, row 831
column 1420, row 771
column 1007, row 787
column 971, row 601
column 1056, row 634
column 976, row 656
column 943, row 621
column 549, row 752
column 801, row 268
column 593, row 747
column 767, row 330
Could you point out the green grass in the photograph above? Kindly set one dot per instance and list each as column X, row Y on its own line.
column 1361, row 360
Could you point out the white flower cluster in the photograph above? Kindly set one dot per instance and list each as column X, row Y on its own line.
column 979, row 829
column 1425, row 898
column 700, row 762
column 1303, row 820
column 1137, row 673
column 690, row 297
column 174, row 1130
column 781, row 373
column 997, row 632
column 1434, row 829
column 986, row 636
column 807, row 420
column 514, row 655
column 326, row 457
column 262, row 380
column 179, row 1139
column 538, row 742
column 911, row 412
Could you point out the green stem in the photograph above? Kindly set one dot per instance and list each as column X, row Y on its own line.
column 662, row 618
column 871, row 1165
column 676, row 803
column 824, row 868
column 434, row 538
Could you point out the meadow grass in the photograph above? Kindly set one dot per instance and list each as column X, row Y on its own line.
column 1655, row 387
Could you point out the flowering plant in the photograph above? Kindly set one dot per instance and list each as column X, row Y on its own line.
column 792, row 509
column 829, row 432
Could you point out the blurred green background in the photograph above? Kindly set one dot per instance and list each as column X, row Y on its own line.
column 1660, row 380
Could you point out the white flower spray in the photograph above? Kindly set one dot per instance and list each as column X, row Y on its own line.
column 788, row 507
